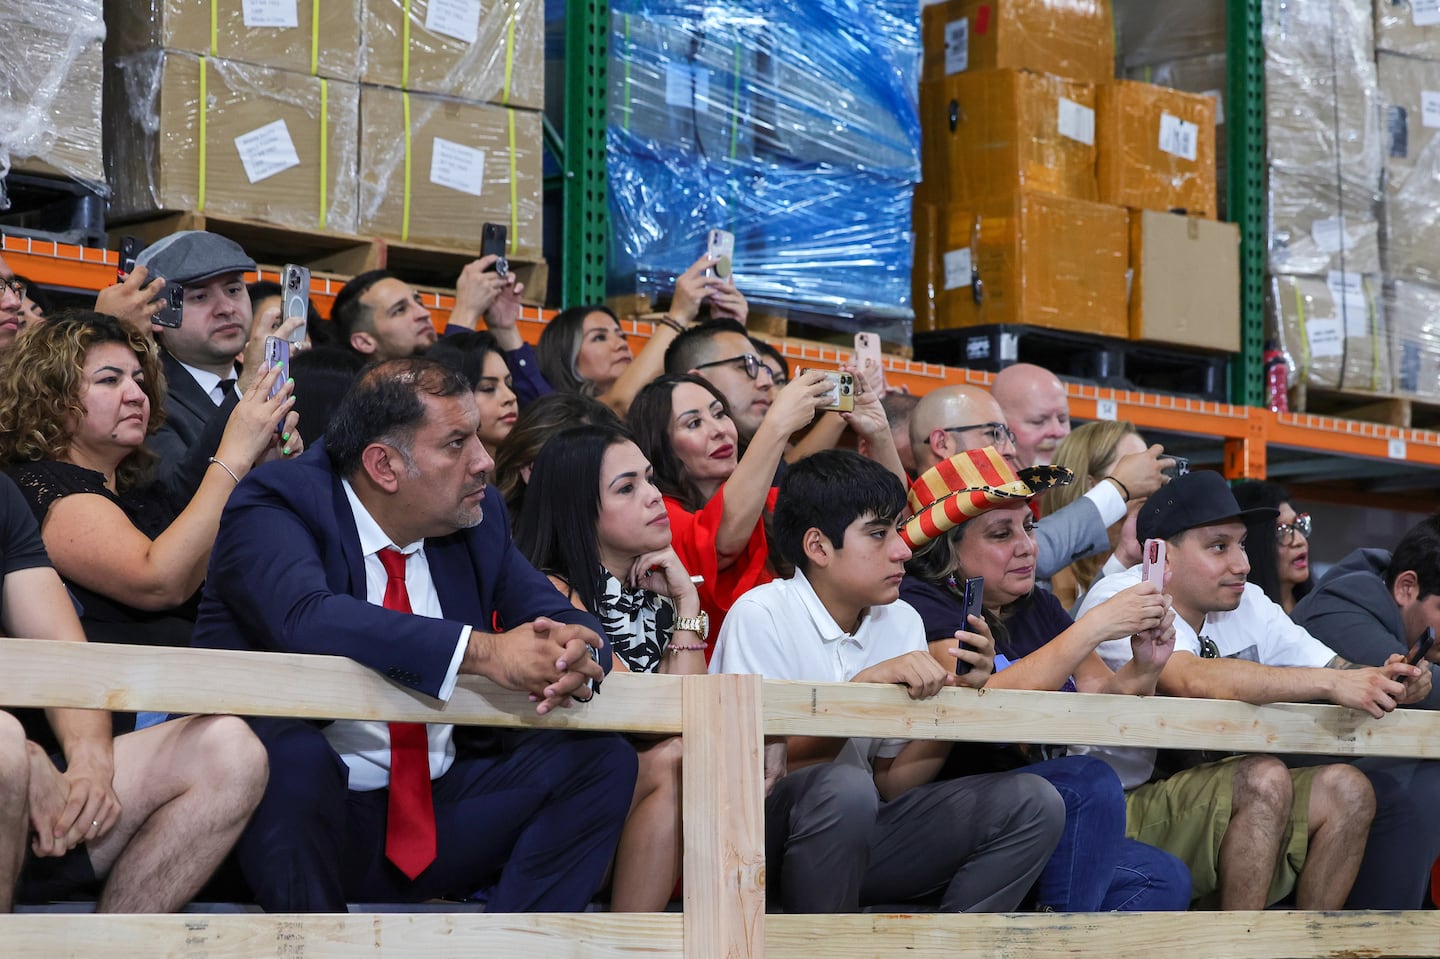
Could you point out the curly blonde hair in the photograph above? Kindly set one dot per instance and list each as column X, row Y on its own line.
column 42, row 383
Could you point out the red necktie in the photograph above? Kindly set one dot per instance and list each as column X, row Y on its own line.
column 410, row 821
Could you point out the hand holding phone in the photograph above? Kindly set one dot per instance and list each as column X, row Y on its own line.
column 493, row 238
column 842, row 390
column 173, row 311
column 277, row 353
column 1427, row 640
column 867, row 358
column 130, row 248
column 1152, row 568
column 720, row 248
column 295, row 299
column 971, row 597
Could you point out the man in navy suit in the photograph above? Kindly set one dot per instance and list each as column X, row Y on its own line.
column 382, row 544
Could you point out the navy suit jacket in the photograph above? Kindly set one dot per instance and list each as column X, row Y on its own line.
column 287, row 574
column 190, row 434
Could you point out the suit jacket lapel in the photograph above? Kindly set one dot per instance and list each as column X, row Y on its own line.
column 349, row 536
column 183, row 391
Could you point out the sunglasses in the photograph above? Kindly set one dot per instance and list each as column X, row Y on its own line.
column 1285, row 532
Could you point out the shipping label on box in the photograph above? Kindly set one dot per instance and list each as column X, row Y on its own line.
column 1156, row 148
column 1186, row 281
column 1075, row 40
column 263, row 131
column 483, row 50
column 468, row 164
column 1334, row 330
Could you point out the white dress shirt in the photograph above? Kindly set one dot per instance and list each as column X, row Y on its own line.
column 1108, row 502
column 781, row 630
column 210, row 383
column 363, row 745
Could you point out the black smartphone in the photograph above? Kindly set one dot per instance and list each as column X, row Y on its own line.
column 970, row 597
column 1181, row 467
column 493, row 238
column 130, row 248
column 173, row 311
column 1427, row 639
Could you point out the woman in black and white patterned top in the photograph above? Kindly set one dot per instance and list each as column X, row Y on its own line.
column 597, row 525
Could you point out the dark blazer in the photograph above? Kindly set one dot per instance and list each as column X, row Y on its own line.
column 191, row 432
column 287, row 574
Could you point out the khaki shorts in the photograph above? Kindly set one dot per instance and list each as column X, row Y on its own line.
column 1187, row 814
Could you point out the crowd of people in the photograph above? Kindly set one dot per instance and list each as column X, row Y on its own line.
column 436, row 503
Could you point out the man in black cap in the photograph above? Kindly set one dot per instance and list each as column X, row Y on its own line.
column 203, row 383
column 1250, row 829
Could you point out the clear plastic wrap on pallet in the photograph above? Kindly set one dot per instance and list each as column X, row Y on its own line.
column 51, row 69
column 1411, row 27
column 184, row 132
column 1334, row 330
column 482, row 50
column 1414, row 313
column 829, row 242
column 1318, row 222
column 816, row 81
column 1205, row 74
column 1410, row 241
column 1148, row 32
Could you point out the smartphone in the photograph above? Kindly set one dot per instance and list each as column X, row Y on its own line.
column 295, row 298
column 1152, row 569
column 970, row 597
column 130, row 248
column 173, row 311
column 867, row 359
column 1181, row 467
column 493, row 238
column 1427, row 639
column 277, row 353
column 842, row 390
column 720, row 248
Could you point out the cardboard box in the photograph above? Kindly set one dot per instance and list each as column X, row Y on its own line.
column 1402, row 28
column 1321, row 222
column 1075, row 39
column 1012, row 130
column 1185, row 281
column 1413, row 310
column 312, row 38
column 1156, row 148
column 485, row 50
column 249, row 146
column 1334, row 330
column 52, row 66
column 1410, row 244
column 1205, row 74
column 926, row 281
column 1039, row 259
column 467, row 164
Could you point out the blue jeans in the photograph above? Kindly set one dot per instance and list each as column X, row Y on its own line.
column 1095, row 868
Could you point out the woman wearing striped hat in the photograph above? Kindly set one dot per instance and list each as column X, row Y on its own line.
column 971, row 517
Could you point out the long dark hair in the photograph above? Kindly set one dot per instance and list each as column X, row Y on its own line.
column 557, row 530
column 651, row 414
column 1265, row 554
column 538, row 422
column 559, row 347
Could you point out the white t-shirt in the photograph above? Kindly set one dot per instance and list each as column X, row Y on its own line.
column 781, row 630
column 1257, row 630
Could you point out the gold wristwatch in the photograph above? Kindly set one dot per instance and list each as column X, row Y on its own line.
column 699, row 625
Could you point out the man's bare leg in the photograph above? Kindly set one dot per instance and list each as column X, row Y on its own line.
column 186, row 788
column 1342, row 804
column 1260, row 808
column 14, row 806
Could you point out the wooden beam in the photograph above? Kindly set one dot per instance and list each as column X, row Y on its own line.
column 1005, row 715
column 1112, row 935
column 724, row 821
column 132, row 678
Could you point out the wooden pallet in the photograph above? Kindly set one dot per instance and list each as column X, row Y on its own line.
column 1390, row 409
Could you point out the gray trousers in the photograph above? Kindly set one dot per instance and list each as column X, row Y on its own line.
column 973, row 845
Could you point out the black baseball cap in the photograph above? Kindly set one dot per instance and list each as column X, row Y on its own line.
column 1196, row 499
column 194, row 256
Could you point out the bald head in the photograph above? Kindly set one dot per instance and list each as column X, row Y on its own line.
column 1036, row 408
column 935, row 432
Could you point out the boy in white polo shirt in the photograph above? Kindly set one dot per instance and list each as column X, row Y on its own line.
column 858, row 821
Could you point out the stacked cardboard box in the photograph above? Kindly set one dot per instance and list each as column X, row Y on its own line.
column 256, row 111
column 50, row 63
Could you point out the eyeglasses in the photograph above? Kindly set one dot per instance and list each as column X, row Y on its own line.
column 996, row 433
column 748, row 361
column 14, row 286
column 1285, row 532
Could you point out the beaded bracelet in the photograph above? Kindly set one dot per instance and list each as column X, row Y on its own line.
column 671, row 322
column 685, row 648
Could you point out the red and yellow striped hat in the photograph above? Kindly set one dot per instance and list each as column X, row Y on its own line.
column 968, row 484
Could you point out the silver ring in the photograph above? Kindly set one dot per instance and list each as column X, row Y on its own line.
column 94, row 824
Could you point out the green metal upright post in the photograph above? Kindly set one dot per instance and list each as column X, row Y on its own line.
column 1245, row 116
column 586, row 211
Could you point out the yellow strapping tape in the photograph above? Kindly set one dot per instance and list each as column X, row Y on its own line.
column 405, row 48
column 1304, row 333
column 204, row 108
column 315, row 38
column 514, row 183
column 214, row 28
column 509, row 51
column 405, row 209
column 324, row 150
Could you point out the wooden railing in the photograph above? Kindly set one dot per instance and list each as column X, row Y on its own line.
column 724, row 719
